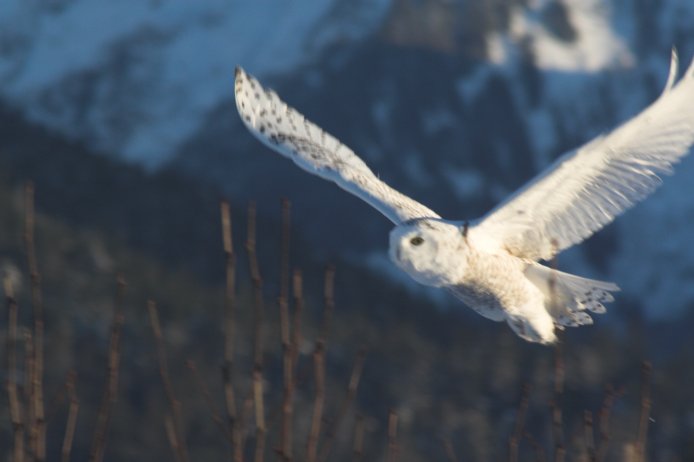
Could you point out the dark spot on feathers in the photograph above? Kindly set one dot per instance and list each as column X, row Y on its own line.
column 257, row 95
column 279, row 120
column 248, row 118
column 261, row 128
column 520, row 212
column 262, row 113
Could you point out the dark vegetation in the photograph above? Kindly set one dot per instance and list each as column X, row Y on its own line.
column 166, row 336
column 220, row 372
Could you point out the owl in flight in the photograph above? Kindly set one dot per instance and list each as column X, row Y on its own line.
column 492, row 263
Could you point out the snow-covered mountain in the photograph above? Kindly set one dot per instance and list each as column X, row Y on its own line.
column 455, row 103
column 137, row 77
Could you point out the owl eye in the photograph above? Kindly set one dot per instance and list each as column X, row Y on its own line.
column 416, row 241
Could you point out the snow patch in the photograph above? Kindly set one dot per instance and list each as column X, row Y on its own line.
column 178, row 80
column 596, row 45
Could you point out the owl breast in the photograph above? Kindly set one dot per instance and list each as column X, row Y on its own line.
column 493, row 285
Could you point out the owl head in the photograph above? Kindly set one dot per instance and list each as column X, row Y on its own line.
column 432, row 252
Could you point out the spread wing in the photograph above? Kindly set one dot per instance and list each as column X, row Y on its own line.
column 288, row 132
column 587, row 188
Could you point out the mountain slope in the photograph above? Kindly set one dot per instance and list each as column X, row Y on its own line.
column 454, row 103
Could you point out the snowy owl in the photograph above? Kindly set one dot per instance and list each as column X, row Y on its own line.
column 492, row 263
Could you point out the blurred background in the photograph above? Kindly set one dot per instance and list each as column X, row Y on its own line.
column 122, row 115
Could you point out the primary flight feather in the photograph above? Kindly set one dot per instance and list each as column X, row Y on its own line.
column 491, row 263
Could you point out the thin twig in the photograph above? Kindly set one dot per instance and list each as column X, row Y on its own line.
column 290, row 361
column 329, row 301
column 646, row 370
column 284, row 451
column 349, row 397
column 247, row 410
column 29, row 359
column 392, row 436
column 557, row 424
column 297, row 287
column 515, row 439
column 14, row 401
column 205, row 391
column 37, row 422
column 173, row 437
column 610, row 396
column 319, row 369
column 71, row 416
column 589, row 435
column 229, row 332
column 448, row 448
column 110, row 395
column 284, row 271
column 259, row 314
column 540, row 455
column 359, row 439
column 178, row 445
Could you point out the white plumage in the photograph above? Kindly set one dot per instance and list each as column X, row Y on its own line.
column 491, row 264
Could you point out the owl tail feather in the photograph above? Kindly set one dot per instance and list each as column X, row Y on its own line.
column 569, row 298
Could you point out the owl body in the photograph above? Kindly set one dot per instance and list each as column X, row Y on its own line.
column 486, row 278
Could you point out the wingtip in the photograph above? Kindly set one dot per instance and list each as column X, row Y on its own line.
column 672, row 74
column 239, row 79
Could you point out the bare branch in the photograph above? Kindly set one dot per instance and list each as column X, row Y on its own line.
column 319, row 370
column 646, row 370
column 448, row 447
column 229, row 332
column 259, row 314
column 359, row 439
column 589, row 435
column 284, row 450
column 557, row 424
column 540, row 455
column 178, row 443
column 205, row 391
column 610, row 396
column 351, row 393
column 71, row 417
column 37, row 420
column 15, row 403
column 515, row 439
column 290, row 360
column 392, row 436
column 110, row 395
